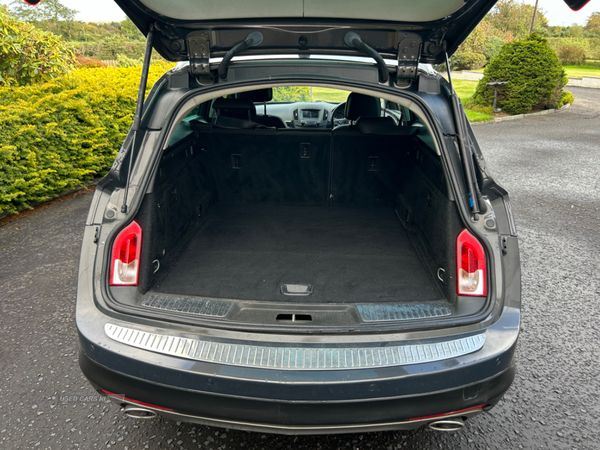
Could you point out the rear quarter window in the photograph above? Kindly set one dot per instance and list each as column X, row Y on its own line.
column 184, row 129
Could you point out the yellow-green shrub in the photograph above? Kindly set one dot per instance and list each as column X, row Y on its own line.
column 57, row 135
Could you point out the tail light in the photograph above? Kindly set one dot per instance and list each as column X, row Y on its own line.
column 125, row 260
column 470, row 266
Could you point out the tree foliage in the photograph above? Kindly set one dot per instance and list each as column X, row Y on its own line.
column 475, row 42
column 513, row 16
column 28, row 55
column 291, row 94
column 493, row 44
column 130, row 31
column 593, row 23
column 89, row 31
column 533, row 73
column 45, row 11
column 575, row 30
column 480, row 47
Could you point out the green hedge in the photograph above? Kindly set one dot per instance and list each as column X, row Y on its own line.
column 571, row 55
column 591, row 46
column 467, row 61
column 58, row 135
column 110, row 48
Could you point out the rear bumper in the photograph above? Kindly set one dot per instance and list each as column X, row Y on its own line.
column 299, row 401
column 297, row 417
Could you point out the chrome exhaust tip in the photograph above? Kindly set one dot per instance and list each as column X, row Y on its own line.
column 137, row 412
column 454, row 424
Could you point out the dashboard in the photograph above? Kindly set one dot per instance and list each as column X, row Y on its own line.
column 306, row 114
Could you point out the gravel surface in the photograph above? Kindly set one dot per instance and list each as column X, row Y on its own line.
column 550, row 165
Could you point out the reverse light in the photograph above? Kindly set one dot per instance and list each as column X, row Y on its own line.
column 125, row 260
column 470, row 266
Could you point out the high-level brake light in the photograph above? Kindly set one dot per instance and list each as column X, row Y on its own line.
column 470, row 265
column 125, row 261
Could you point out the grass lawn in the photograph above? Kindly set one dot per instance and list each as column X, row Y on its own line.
column 329, row 95
column 579, row 71
column 475, row 116
column 465, row 89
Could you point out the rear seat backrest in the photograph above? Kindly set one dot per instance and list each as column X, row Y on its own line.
column 367, row 169
column 360, row 165
column 382, row 126
column 368, row 155
column 264, row 165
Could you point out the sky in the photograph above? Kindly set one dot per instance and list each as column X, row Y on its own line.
column 557, row 12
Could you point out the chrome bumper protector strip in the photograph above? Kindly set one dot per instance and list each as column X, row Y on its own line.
column 382, row 312
column 294, row 358
column 189, row 305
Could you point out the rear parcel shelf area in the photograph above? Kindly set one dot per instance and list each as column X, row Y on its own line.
column 327, row 227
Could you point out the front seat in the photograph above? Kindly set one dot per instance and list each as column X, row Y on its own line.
column 364, row 113
column 234, row 113
column 263, row 96
column 361, row 105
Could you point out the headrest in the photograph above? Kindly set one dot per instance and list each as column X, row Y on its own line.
column 233, row 103
column 257, row 96
column 360, row 105
column 238, row 108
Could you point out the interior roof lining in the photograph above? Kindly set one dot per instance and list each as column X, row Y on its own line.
column 201, row 98
column 396, row 11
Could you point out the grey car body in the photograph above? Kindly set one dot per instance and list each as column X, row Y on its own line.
column 238, row 362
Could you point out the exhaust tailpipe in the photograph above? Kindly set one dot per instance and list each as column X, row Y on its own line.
column 137, row 412
column 454, row 424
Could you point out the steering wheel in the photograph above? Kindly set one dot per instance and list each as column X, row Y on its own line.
column 337, row 115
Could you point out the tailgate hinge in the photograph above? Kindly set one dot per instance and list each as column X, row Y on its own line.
column 199, row 52
column 409, row 53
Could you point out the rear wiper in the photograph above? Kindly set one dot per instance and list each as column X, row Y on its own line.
column 352, row 39
column 460, row 125
column 252, row 40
